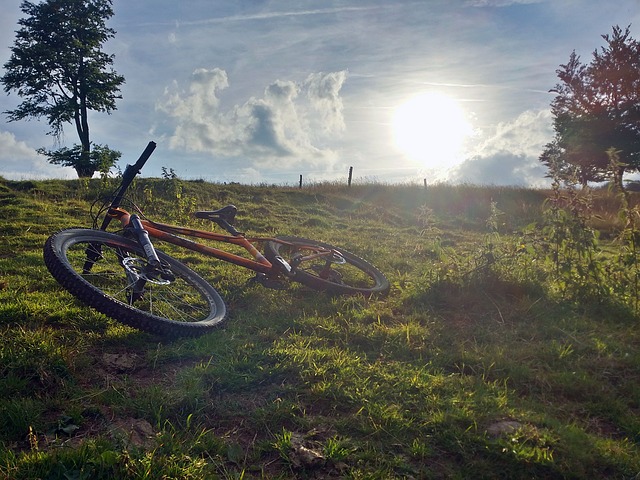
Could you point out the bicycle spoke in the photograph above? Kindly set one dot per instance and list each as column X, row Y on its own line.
column 170, row 300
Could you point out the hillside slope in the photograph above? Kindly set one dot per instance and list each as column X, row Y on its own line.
column 493, row 356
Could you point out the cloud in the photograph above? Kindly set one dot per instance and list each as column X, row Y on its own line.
column 323, row 91
column 271, row 15
column 526, row 135
column 500, row 3
column 509, row 155
column 18, row 161
column 281, row 127
column 504, row 168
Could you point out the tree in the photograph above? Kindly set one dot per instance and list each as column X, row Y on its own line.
column 596, row 108
column 100, row 158
column 58, row 68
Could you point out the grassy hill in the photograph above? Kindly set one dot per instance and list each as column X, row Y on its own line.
column 508, row 346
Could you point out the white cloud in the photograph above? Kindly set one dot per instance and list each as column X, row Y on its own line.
column 509, row 155
column 12, row 148
column 282, row 127
column 18, row 161
column 501, row 168
column 526, row 135
column 323, row 91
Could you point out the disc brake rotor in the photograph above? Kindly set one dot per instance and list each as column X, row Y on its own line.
column 140, row 269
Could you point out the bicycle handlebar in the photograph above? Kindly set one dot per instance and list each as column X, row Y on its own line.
column 144, row 156
column 127, row 177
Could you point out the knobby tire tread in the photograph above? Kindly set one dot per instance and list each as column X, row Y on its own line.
column 381, row 286
column 73, row 282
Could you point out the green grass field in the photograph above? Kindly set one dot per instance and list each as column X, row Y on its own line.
column 508, row 346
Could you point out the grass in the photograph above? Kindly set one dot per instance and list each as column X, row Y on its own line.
column 485, row 361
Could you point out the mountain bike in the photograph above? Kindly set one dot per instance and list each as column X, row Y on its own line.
column 124, row 276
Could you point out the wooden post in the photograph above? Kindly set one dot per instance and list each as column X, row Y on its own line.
column 425, row 183
column 350, row 175
column 300, row 182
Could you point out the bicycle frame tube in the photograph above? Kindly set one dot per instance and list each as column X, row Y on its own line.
column 169, row 234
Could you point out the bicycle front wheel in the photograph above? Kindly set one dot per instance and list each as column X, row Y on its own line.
column 342, row 272
column 107, row 272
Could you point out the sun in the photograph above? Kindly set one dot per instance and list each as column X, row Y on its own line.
column 432, row 129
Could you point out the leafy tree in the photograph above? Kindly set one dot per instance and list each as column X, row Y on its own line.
column 101, row 158
column 58, row 68
column 597, row 107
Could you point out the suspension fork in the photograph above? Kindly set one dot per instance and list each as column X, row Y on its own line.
column 143, row 239
column 94, row 251
column 154, row 270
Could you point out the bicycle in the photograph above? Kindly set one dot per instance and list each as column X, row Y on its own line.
column 122, row 275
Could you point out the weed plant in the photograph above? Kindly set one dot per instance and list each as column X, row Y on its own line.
column 507, row 348
column 626, row 278
column 571, row 242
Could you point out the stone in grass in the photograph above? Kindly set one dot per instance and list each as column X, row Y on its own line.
column 120, row 362
column 302, row 456
column 503, row 427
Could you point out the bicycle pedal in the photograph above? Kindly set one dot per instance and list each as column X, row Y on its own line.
column 272, row 283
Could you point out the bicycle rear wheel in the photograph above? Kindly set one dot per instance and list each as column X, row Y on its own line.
column 343, row 272
column 107, row 272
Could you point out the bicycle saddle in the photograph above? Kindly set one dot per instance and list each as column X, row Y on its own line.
column 228, row 214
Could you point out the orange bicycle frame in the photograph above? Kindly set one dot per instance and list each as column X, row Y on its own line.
column 170, row 234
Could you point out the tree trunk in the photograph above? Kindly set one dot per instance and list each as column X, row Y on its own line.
column 84, row 171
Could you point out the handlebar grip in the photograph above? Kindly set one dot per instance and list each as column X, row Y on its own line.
column 145, row 156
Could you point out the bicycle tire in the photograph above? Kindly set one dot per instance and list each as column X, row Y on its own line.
column 354, row 276
column 186, row 306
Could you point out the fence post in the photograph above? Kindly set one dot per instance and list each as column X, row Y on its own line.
column 350, row 175
column 300, row 182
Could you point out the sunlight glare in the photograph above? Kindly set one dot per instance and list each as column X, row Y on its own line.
column 432, row 129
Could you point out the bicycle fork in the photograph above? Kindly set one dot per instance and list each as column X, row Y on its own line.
column 140, row 272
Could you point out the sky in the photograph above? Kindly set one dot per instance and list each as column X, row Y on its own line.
column 263, row 91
